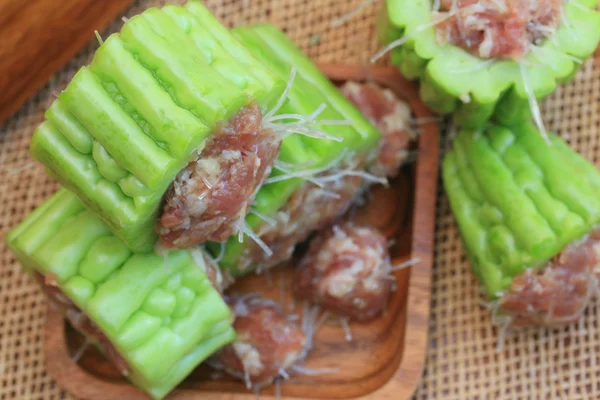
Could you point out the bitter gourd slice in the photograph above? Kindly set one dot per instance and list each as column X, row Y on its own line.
column 517, row 201
column 310, row 89
column 476, row 90
column 125, row 126
column 162, row 315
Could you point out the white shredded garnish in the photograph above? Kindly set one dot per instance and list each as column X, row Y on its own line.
column 284, row 95
column 502, row 322
column 264, row 217
column 537, row 50
column 406, row 38
column 124, row 19
column 362, row 174
column 355, row 11
column 344, row 322
column 473, row 68
column 207, row 183
column 303, row 125
column 325, row 193
column 247, row 379
column 567, row 23
column 80, row 351
column 302, row 370
column 318, row 177
column 307, row 174
column 533, row 104
column 18, row 170
column 221, row 253
column 465, row 98
column 405, row 264
column 277, row 389
column 310, row 326
column 245, row 229
column 424, row 121
column 502, row 332
column 99, row 38
column 579, row 6
column 284, row 165
column 283, row 374
column 296, row 123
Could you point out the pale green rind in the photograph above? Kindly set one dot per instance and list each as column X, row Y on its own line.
column 451, row 74
column 518, row 202
column 310, row 89
column 116, row 290
column 126, row 125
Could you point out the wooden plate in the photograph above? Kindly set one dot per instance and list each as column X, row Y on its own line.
column 384, row 360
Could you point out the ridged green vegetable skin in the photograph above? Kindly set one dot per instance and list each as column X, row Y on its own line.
column 162, row 314
column 517, row 201
column 125, row 126
column 309, row 90
column 448, row 73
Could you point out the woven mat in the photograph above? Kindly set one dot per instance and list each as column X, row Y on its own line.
column 461, row 361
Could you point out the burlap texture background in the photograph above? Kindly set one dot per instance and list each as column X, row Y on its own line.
column 461, row 358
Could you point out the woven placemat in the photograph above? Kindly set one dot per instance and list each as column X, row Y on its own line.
column 462, row 362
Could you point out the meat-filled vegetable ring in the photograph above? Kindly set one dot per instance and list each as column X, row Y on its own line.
column 156, row 318
column 528, row 214
column 482, row 59
column 175, row 105
column 320, row 176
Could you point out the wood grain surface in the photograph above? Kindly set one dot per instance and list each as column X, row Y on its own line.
column 37, row 37
column 385, row 359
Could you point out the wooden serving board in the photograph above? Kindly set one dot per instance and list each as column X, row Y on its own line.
column 39, row 37
column 385, row 359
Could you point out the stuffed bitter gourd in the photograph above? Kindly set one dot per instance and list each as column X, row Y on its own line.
column 527, row 213
column 156, row 318
column 480, row 76
column 309, row 90
column 147, row 105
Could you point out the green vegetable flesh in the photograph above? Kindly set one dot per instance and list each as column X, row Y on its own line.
column 454, row 81
column 309, row 90
column 518, row 202
column 161, row 313
column 130, row 121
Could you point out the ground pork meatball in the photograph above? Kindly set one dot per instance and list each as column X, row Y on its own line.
column 310, row 208
column 558, row 293
column 268, row 343
column 212, row 195
column 392, row 117
column 346, row 270
column 497, row 28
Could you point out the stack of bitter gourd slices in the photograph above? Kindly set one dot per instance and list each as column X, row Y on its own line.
column 527, row 206
column 164, row 104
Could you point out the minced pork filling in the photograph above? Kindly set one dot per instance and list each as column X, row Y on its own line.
column 503, row 29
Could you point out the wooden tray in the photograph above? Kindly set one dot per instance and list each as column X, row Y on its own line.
column 386, row 357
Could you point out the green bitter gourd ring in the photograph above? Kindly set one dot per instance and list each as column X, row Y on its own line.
column 128, row 123
column 161, row 315
column 454, row 81
column 517, row 201
column 311, row 88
